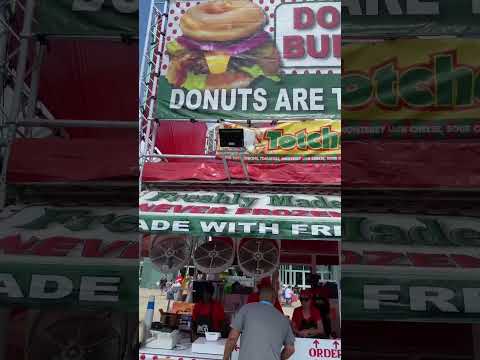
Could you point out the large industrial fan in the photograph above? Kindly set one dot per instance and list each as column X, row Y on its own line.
column 258, row 257
column 170, row 253
column 215, row 256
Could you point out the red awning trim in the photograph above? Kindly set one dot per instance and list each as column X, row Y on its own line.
column 294, row 173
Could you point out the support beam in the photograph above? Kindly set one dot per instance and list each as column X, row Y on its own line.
column 40, row 47
column 113, row 124
column 17, row 96
column 4, row 32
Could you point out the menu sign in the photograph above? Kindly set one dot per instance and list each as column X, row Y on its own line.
column 246, row 59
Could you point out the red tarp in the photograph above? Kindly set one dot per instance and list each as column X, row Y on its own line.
column 91, row 80
column 294, row 173
column 189, row 138
column 54, row 159
column 181, row 138
column 365, row 163
column 411, row 163
column 84, row 80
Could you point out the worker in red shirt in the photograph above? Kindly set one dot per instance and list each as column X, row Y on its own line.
column 255, row 296
column 207, row 315
column 306, row 319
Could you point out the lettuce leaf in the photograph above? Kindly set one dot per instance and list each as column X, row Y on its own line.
column 256, row 71
column 195, row 81
column 173, row 47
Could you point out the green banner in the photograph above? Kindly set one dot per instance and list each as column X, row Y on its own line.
column 411, row 299
column 284, row 216
column 387, row 19
column 87, row 18
column 245, row 60
column 410, row 267
column 268, row 99
column 41, row 282
column 231, row 226
column 418, row 230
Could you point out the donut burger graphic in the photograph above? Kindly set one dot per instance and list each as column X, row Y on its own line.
column 223, row 46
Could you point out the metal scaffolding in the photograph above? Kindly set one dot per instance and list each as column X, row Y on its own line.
column 21, row 111
column 23, row 115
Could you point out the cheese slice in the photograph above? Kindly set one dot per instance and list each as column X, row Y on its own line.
column 217, row 62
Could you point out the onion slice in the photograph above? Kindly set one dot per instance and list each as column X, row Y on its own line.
column 232, row 49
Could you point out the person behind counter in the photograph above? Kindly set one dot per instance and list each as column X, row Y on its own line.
column 266, row 334
column 306, row 319
column 207, row 315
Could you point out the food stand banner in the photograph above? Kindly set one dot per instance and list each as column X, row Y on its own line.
column 39, row 282
column 410, row 268
column 387, row 19
column 411, row 79
column 319, row 139
column 69, row 256
column 418, row 230
column 285, row 216
column 392, row 297
column 87, row 18
column 246, row 59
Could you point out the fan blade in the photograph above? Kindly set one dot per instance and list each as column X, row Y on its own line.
column 248, row 250
column 202, row 258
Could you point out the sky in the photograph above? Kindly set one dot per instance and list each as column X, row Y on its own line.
column 144, row 8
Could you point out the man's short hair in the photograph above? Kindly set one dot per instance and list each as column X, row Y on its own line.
column 266, row 293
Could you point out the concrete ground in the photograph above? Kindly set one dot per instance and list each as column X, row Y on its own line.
column 161, row 303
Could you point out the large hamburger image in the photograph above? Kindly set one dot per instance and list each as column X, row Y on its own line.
column 223, row 46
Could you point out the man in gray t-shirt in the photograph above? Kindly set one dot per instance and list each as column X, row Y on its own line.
column 265, row 331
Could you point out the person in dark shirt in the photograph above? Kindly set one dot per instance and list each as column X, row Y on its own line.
column 322, row 303
column 207, row 315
